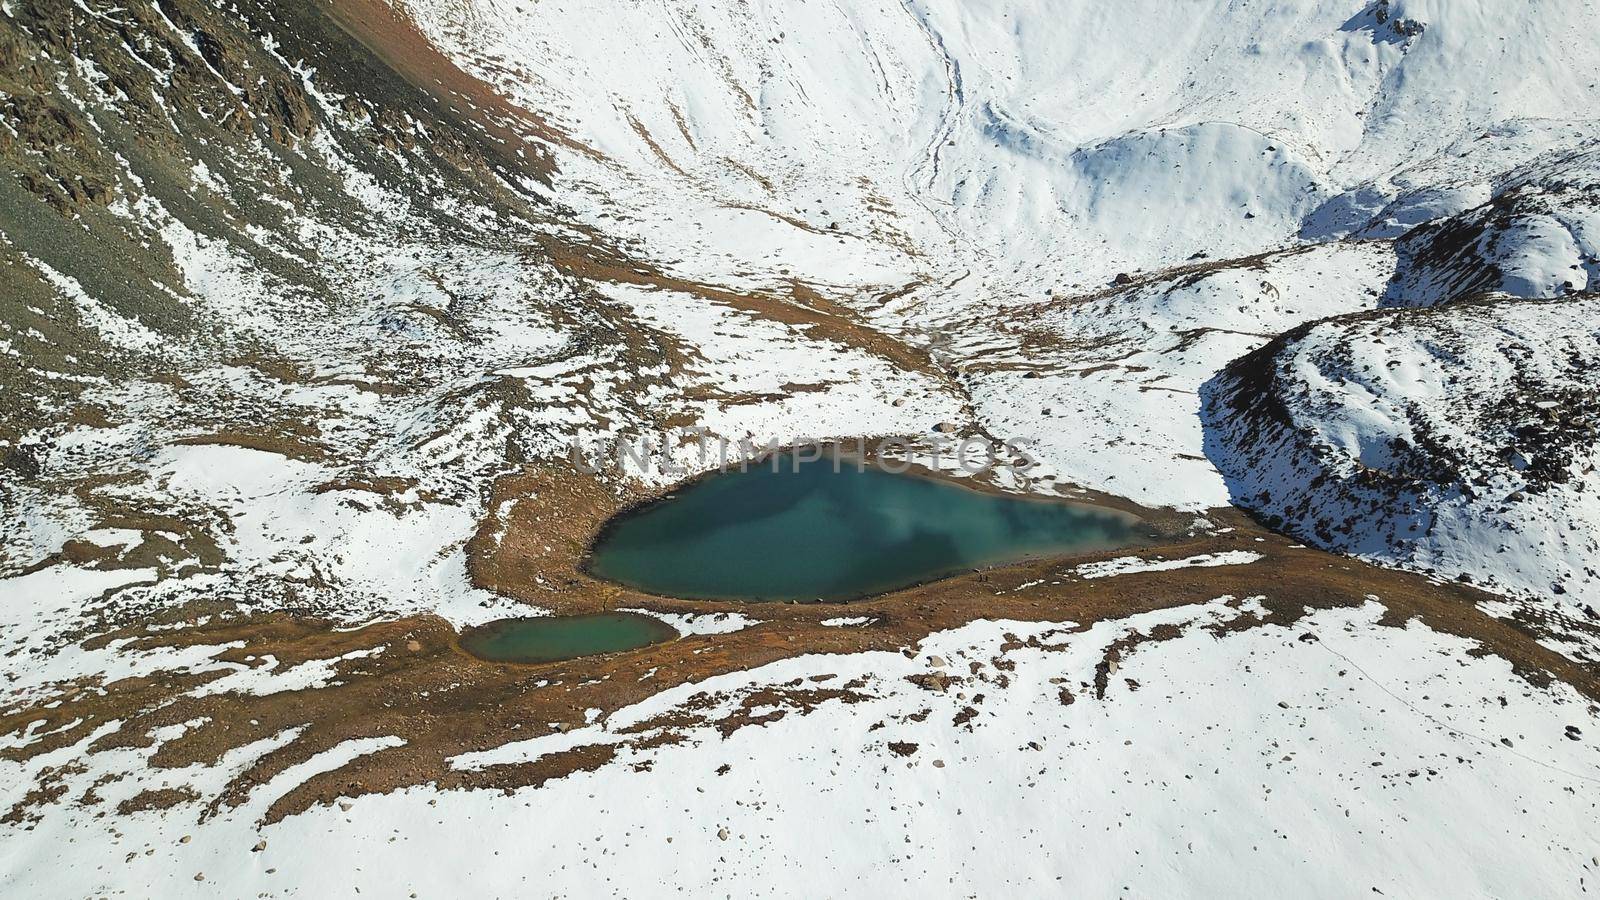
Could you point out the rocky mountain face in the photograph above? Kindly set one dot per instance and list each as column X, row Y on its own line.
column 1458, row 439
column 296, row 228
column 1534, row 236
column 165, row 154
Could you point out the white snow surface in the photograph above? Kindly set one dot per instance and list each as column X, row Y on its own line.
column 965, row 158
column 1254, row 765
column 969, row 177
column 1123, row 565
column 1457, row 440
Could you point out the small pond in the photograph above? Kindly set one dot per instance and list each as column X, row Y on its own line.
column 817, row 531
column 551, row 638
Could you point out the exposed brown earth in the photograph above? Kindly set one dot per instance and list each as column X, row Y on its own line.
column 804, row 308
column 393, row 37
column 444, row 702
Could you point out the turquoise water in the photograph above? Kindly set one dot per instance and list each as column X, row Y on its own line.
column 553, row 638
column 821, row 534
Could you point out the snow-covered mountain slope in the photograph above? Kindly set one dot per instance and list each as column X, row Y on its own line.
column 1033, row 143
column 1104, row 389
column 303, row 304
column 291, row 247
column 1325, row 757
column 932, row 163
column 1461, row 439
column 1537, row 234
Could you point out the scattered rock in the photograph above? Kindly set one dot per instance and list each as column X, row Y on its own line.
column 930, row 681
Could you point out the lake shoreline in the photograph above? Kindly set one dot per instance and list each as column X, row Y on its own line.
column 1099, row 528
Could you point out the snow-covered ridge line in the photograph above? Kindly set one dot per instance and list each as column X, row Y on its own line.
column 1460, row 440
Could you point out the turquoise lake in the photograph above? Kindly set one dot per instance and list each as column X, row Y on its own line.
column 811, row 533
column 553, row 638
